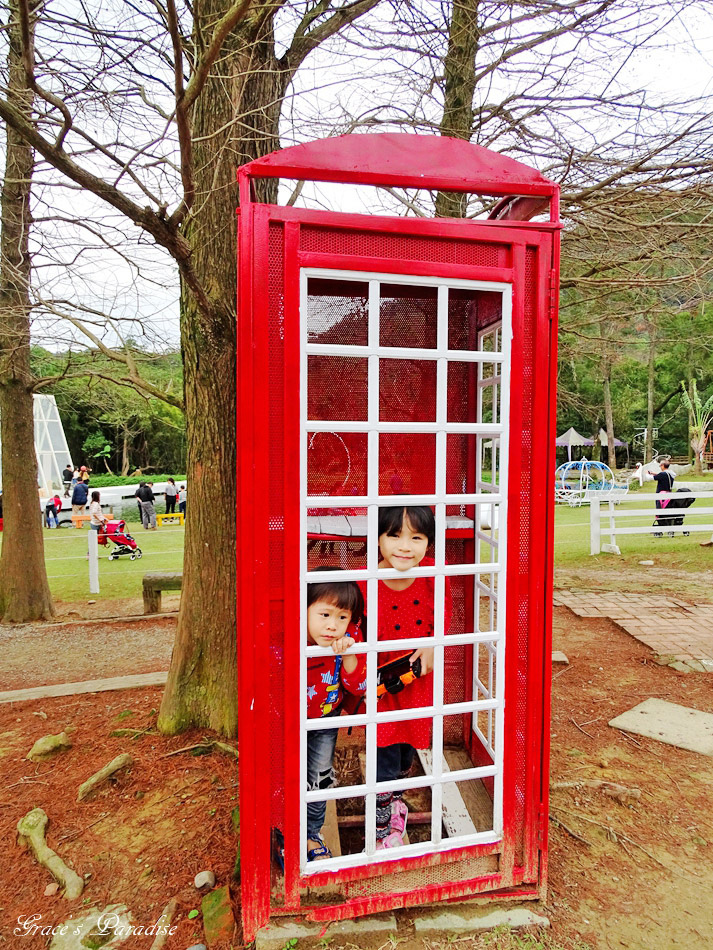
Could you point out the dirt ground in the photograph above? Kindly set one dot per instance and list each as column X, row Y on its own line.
column 636, row 873
column 84, row 650
column 141, row 838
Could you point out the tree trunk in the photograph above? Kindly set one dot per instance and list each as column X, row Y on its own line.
column 125, row 453
column 609, row 416
column 459, row 69
column 649, row 447
column 695, row 453
column 24, row 590
column 697, row 443
column 202, row 681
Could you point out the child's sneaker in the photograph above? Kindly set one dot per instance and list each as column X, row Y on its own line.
column 399, row 816
column 392, row 840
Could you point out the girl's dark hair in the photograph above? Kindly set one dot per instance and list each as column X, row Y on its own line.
column 343, row 594
column 95, row 496
column 421, row 518
column 171, row 481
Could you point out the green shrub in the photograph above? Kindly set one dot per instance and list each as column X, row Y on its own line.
column 112, row 481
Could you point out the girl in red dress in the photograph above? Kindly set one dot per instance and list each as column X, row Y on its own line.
column 405, row 610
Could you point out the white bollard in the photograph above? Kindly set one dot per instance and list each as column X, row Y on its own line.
column 93, row 550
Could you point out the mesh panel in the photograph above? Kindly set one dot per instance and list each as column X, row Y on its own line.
column 408, row 316
column 276, row 505
column 519, row 689
column 401, row 881
column 338, row 312
column 404, row 247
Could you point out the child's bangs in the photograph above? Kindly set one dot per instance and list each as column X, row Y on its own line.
column 421, row 518
column 345, row 595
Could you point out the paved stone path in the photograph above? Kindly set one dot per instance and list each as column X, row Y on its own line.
column 673, row 628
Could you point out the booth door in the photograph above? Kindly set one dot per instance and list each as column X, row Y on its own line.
column 404, row 397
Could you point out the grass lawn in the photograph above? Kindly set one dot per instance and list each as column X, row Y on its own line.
column 68, row 570
column 572, row 537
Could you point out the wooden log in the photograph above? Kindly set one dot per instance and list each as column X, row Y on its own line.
column 120, row 762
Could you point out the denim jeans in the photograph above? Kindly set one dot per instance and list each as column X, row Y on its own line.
column 320, row 774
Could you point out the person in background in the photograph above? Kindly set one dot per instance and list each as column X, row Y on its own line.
column 182, row 500
column 145, row 496
column 52, row 509
column 171, row 496
column 664, row 487
column 79, row 498
column 84, row 474
column 67, row 476
column 96, row 518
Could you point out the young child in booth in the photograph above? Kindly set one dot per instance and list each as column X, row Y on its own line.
column 335, row 611
column 405, row 610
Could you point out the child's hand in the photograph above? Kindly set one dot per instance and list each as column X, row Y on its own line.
column 342, row 645
column 425, row 655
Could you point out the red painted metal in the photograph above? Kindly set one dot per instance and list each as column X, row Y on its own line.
column 274, row 243
column 404, row 160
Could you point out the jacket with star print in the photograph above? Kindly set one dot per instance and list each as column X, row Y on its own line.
column 327, row 680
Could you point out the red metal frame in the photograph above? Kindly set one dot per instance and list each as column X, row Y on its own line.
column 529, row 248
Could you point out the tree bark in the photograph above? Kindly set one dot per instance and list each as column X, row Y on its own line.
column 459, row 69
column 650, row 391
column 24, row 590
column 693, row 439
column 125, row 453
column 609, row 416
column 202, row 681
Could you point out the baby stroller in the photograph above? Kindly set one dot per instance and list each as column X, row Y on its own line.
column 115, row 531
column 672, row 515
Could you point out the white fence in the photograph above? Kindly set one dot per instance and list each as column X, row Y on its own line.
column 603, row 516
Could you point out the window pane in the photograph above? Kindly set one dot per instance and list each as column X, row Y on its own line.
column 336, row 388
column 407, row 390
column 338, row 312
column 408, row 316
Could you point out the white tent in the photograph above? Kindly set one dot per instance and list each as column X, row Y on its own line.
column 50, row 445
column 605, row 441
column 569, row 438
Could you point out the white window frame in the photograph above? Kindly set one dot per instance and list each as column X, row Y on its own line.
column 493, row 496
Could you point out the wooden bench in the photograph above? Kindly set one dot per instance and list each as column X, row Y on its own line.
column 176, row 516
column 78, row 521
column 156, row 582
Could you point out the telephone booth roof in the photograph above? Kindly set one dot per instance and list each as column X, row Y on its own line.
column 406, row 160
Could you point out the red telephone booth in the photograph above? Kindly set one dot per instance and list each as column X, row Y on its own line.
column 388, row 362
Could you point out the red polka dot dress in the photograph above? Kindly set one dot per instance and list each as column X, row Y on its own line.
column 404, row 614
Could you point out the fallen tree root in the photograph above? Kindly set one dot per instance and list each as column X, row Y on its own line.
column 31, row 834
column 164, row 922
column 620, row 792
column 120, row 762
column 573, row 834
column 618, row 837
column 206, row 746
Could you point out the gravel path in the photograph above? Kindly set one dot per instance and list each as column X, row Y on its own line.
column 69, row 652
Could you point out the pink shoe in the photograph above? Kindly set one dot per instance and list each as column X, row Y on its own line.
column 399, row 816
column 392, row 840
